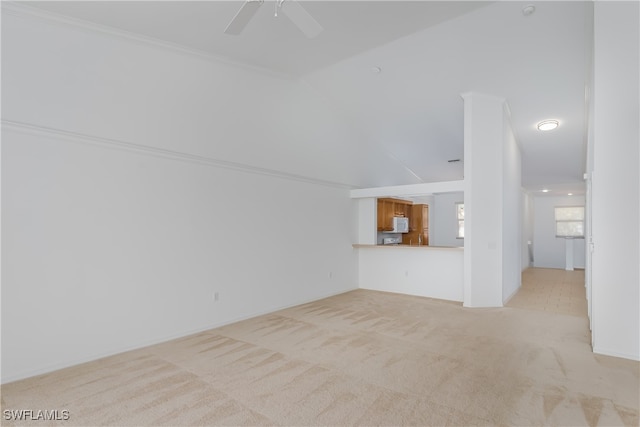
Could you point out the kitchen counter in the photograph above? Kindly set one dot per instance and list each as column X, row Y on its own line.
column 357, row 245
column 427, row 271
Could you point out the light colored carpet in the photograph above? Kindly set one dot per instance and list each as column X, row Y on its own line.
column 360, row 358
column 547, row 289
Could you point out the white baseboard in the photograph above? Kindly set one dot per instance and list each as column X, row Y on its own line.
column 506, row 300
column 607, row 352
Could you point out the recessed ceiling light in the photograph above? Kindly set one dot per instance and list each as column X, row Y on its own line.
column 545, row 190
column 376, row 70
column 528, row 10
column 547, row 125
column 570, row 194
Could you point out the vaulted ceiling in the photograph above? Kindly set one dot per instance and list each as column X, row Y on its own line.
column 395, row 70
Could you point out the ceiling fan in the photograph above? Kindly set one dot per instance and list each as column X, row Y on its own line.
column 291, row 8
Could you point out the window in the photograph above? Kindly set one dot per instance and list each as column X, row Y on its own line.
column 460, row 217
column 570, row 221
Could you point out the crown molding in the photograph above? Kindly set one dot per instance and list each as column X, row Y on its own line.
column 19, row 9
column 59, row 134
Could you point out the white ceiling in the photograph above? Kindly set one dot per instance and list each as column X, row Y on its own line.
column 429, row 52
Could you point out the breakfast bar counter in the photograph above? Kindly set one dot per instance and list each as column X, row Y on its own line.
column 428, row 271
column 455, row 248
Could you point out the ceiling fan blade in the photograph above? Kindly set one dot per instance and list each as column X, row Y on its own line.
column 301, row 18
column 242, row 18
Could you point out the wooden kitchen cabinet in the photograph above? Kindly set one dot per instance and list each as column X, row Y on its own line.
column 388, row 208
column 418, row 226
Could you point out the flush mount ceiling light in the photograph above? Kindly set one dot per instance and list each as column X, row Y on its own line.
column 547, row 125
column 545, row 190
column 528, row 10
column 570, row 194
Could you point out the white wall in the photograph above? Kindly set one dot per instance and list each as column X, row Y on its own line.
column 367, row 221
column 118, row 227
column 548, row 250
column 511, row 211
column 616, row 180
column 423, row 271
column 527, row 229
column 589, row 167
column 443, row 226
column 110, row 85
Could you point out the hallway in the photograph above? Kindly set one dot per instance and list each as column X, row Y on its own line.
column 552, row 290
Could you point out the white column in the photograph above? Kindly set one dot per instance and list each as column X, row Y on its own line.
column 492, row 176
column 483, row 116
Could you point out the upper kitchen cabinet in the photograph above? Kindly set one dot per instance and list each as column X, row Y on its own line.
column 389, row 208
